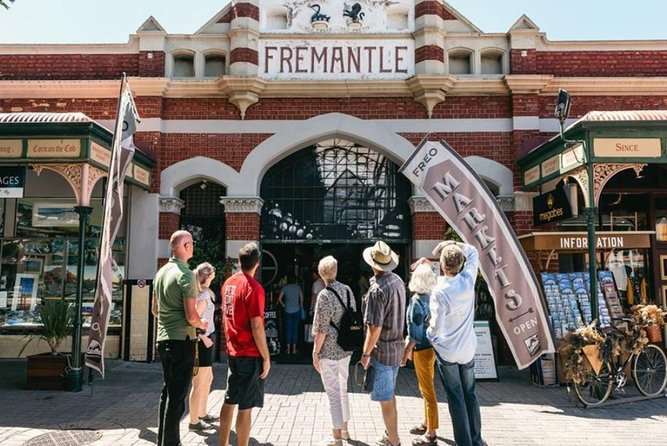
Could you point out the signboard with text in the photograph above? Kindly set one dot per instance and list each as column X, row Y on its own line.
column 551, row 207
column 12, row 182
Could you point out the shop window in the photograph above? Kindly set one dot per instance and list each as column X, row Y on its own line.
column 661, row 219
column 460, row 62
column 214, row 66
column 184, row 65
column 492, row 62
column 335, row 191
column 40, row 263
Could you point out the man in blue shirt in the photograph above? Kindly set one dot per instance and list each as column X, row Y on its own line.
column 452, row 335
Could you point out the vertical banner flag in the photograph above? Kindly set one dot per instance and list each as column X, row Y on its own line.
column 464, row 201
column 122, row 151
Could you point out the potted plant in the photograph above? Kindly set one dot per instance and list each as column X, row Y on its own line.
column 47, row 370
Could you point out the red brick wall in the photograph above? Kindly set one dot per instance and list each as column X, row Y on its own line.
column 232, row 149
column 67, row 66
column 583, row 104
column 168, row 224
column 241, row 227
column 151, row 67
column 523, row 64
column 525, row 105
column 433, row 7
column 244, row 55
column 602, row 63
column 201, row 108
column 428, row 226
column 429, row 52
column 495, row 146
column 99, row 109
column 240, row 10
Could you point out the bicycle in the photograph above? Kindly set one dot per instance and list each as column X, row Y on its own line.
column 649, row 371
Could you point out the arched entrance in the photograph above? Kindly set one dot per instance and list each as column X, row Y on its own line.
column 335, row 198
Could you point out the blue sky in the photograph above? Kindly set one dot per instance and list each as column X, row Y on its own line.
column 96, row 21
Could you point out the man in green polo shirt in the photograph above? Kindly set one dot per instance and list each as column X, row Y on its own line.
column 174, row 293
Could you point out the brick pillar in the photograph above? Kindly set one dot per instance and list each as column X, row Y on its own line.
column 430, row 36
column 170, row 215
column 523, row 52
column 243, row 40
column 242, row 217
column 428, row 227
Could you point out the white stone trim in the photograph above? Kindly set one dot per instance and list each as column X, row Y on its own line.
column 163, row 249
column 232, row 247
column 506, row 203
column 420, row 204
column 171, row 205
column 523, row 201
column 242, row 205
column 494, row 173
column 178, row 176
column 526, row 122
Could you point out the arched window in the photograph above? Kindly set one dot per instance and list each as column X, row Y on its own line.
column 184, row 65
column 335, row 191
column 460, row 61
column 214, row 65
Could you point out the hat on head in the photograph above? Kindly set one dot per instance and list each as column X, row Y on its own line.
column 380, row 256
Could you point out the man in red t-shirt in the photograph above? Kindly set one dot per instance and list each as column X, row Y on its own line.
column 249, row 361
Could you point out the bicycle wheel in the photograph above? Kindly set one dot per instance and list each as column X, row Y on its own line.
column 594, row 388
column 649, row 369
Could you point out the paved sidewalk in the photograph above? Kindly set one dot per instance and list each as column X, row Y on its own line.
column 123, row 409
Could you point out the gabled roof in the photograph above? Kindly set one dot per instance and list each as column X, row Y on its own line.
column 151, row 25
column 223, row 16
column 624, row 115
column 525, row 24
column 461, row 18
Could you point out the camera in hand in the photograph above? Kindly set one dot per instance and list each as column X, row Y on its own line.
column 200, row 331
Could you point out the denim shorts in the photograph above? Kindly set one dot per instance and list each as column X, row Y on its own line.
column 385, row 381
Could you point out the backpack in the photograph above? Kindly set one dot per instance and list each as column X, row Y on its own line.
column 351, row 327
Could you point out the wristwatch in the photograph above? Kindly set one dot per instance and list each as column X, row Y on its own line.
column 365, row 355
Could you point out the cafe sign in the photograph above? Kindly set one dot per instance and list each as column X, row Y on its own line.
column 54, row 148
column 12, row 182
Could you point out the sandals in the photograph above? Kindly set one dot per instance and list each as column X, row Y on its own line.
column 425, row 440
column 419, row 429
column 345, row 434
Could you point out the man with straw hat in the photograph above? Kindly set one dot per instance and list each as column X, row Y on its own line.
column 384, row 317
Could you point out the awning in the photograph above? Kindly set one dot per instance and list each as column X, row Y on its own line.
column 50, row 140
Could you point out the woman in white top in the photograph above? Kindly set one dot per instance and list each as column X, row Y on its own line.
column 201, row 383
column 329, row 359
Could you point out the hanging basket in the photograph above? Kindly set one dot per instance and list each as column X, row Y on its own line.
column 653, row 333
column 592, row 353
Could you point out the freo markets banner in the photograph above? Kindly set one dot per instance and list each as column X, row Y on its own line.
column 465, row 202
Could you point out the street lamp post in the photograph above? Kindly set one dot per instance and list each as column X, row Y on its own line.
column 591, row 211
column 75, row 374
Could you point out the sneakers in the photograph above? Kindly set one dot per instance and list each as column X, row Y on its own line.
column 384, row 441
column 208, row 418
column 200, row 426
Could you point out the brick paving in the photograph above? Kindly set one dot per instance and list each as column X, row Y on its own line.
column 514, row 412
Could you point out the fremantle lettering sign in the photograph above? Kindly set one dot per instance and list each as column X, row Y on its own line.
column 337, row 59
column 465, row 202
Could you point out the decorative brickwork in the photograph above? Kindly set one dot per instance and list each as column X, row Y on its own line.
column 67, row 66
column 428, row 226
column 242, row 226
column 429, row 52
column 244, row 55
column 435, row 8
column 602, row 63
column 523, row 62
